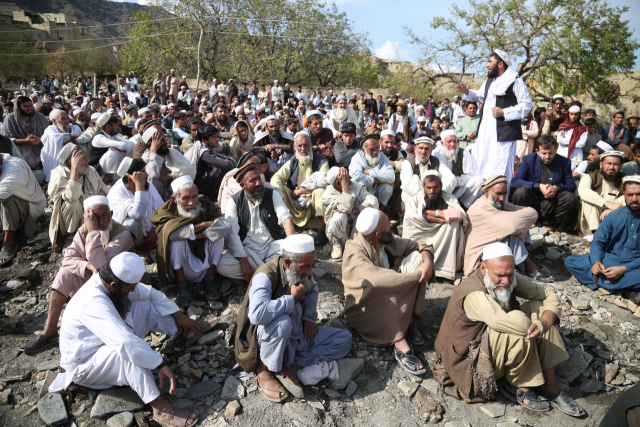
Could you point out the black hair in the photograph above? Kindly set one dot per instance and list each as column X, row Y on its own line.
column 472, row 103
column 495, row 55
column 194, row 121
column 624, row 185
column 107, row 274
column 589, row 111
column 179, row 115
column 590, row 121
column 546, row 142
column 20, row 99
column 136, row 166
column 636, row 146
column 206, row 132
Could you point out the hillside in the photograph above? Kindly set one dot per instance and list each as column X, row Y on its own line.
column 89, row 12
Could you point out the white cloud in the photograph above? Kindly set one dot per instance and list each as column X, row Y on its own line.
column 390, row 50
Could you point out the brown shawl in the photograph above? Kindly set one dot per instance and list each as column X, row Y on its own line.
column 379, row 301
column 166, row 221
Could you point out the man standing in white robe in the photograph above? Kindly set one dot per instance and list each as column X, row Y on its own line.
column 468, row 185
column 101, row 337
column 506, row 102
column 54, row 137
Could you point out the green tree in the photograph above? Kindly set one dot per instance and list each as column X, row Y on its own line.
column 15, row 65
column 567, row 46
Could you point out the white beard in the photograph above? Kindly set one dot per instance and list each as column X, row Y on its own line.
column 422, row 159
column 503, row 298
column 372, row 161
column 452, row 155
column 303, row 160
column 63, row 129
column 105, row 235
column 182, row 211
column 293, row 278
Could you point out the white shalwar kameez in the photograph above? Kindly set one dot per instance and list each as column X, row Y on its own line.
column 52, row 141
column 564, row 138
column 469, row 184
column 493, row 157
column 258, row 246
column 112, row 158
column 99, row 350
column 412, row 184
column 181, row 256
column 134, row 209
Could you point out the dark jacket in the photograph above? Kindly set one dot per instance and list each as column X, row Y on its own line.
column 530, row 172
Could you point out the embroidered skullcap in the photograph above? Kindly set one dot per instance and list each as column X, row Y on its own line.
column 574, row 109
column 66, row 151
column 631, row 178
column 558, row 96
column 148, row 134
column 612, row 153
column 504, row 56
column 271, row 117
column 604, row 146
column 143, row 110
column 95, row 116
column 94, row 200
column 332, row 175
column 421, row 119
column 124, row 166
column 299, row 244
column 387, row 132
column 128, row 267
column 179, row 182
column 494, row 180
column 104, row 119
column 433, row 172
column 341, row 97
column 313, row 113
column 424, row 140
column 446, row 133
column 138, row 122
column 496, row 250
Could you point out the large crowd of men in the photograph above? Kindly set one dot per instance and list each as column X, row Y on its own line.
column 227, row 183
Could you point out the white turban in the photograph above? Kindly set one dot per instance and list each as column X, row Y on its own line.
column 128, row 267
column 387, row 132
column 332, row 175
column 66, row 151
column 558, row 96
column 95, row 200
column 179, row 182
column 447, row 133
column 299, row 244
column 496, row 250
column 368, row 221
column 148, row 134
column 574, row 109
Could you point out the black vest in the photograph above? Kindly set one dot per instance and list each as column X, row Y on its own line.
column 267, row 214
column 434, row 164
column 505, row 130
column 316, row 162
column 456, row 167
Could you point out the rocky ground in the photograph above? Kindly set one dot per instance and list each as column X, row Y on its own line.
column 600, row 332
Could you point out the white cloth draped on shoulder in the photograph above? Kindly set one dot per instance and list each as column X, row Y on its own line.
column 52, row 141
column 17, row 180
column 121, row 201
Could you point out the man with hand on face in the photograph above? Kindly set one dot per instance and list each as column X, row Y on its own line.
column 278, row 144
column 54, row 137
column 101, row 337
column 107, row 149
column 260, row 221
column 98, row 239
column 71, row 183
column 614, row 260
column 486, row 335
column 277, row 336
column 380, row 302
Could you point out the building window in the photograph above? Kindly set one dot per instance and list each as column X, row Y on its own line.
column 83, row 31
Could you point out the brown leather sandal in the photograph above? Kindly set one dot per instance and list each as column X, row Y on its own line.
column 41, row 343
column 205, row 326
column 176, row 418
column 290, row 385
column 270, row 388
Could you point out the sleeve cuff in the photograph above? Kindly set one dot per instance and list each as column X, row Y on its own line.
column 539, row 325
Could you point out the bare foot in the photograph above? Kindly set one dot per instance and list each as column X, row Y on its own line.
column 7, row 247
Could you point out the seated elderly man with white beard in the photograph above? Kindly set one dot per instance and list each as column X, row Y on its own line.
column 373, row 169
column 98, row 239
column 102, row 337
column 303, row 180
column 277, row 335
column 134, row 202
column 260, row 222
column 71, row 183
column 413, row 173
column 108, row 149
column 468, row 185
column 54, row 137
column 190, row 241
column 486, row 335
column 436, row 218
column 343, row 200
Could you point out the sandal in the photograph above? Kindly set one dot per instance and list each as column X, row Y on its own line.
column 408, row 361
column 518, row 396
column 208, row 325
column 270, row 388
column 8, row 256
column 176, row 418
column 541, row 276
column 562, row 402
column 41, row 343
column 291, row 386
column 413, row 336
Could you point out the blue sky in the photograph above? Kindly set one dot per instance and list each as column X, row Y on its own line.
column 384, row 19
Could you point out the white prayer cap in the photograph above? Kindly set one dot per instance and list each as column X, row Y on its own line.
column 504, row 56
column 124, row 166
column 110, row 111
column 171, row 105
column 613, row 153
column 631, row 178
column 421, row 119
column 341, row 97
column 271, row 117
column 367, row 221
column 95, row 200
column 558, row 96
column 148, row 134
column 447, row 133
column 128, row 267
column 313, row 113
column 77, row 110
column 496, row 250
column 183, row 87
column 387, row 132
column 332, row 175
column 424, row 140
column 184, row 77
column 95, row 116
column 433, row 172
column 238, row 109
column 574, row 109
column 66, row 151
column 172, row 70
column 143, row 110
column 138, row 122
column 419, row 107
column 604, row 146
column 179, row 182
column 299, row 244
column 275, row 81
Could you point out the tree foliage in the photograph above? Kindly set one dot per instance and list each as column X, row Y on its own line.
column 16, row 68
column 300, row 43
column 567, row 46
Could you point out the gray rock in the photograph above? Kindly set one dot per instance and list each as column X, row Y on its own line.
column 314, row 401
column 509, row 424
column 494, row 410
column 620, row 379
column 49, row 365
column 4, row 397
column 216, row 305
column 51, row 410
column 232, row 410
column 318, row 272
column 408, row 387
column 303, row 413
column 48, row 379
column 348, row 370
column 210, row 337
column 220, row 404
column 14, row 284
column 429, row 411
column 610, row 372
column 431, row 385
column 80, row 410
column 591, row 386
column 124, row 419
column 115, row 401
column 351, row 389
column 331, row 267
column 332, row 393
column 232, row 390
column 203, row 389
column 183, row 403
column 553, row 254
column 184, row 359
column 457, row 424
column 194, row 311
column 577, row 363
column 579, row 304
